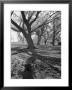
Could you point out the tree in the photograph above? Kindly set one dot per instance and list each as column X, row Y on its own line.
column 56, row 28
column 27, row 23
column 30, row 21
column 40, row 34
column 28, row 27
column 50, row 25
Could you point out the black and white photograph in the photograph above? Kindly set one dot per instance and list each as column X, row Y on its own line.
column 36, row 44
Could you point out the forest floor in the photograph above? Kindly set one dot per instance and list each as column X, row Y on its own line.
column 24, row 67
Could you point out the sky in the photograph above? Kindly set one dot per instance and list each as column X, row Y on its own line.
column 14, row 36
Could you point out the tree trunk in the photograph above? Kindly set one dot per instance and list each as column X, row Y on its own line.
column 30, row 42
column 53, row 42
column 39, row 39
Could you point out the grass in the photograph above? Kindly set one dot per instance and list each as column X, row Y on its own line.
column 40, row 69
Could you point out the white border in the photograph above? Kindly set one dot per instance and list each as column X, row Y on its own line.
column 64, row 8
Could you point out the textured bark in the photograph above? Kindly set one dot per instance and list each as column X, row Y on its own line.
column 30, row 42
column 28, row 36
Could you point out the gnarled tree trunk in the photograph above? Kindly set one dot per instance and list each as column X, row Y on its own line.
column 30, row 42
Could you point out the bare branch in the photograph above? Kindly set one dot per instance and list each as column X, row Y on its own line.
column 11, row 12
column 23, row 16
column 26, row 22
column 15, row 29
column 19, row 28
column 35, row 17
column 30, row 17
column 45, row 23
column 16, row 25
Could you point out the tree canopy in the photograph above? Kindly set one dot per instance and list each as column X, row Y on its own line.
column 28, row 22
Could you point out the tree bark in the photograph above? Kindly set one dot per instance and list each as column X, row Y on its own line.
column 39, row 39
column 53, row 42
column 30, row 43
column 28, row 35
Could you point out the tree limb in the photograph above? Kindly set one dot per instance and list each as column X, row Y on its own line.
column 23, row 16
column 11, row 12
column 45, row 23
column 16, row 25
column 30, row 17
column 15, row 29
column 35, row 18
column 26, row 22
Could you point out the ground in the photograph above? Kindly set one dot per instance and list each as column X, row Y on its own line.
column 24, row 66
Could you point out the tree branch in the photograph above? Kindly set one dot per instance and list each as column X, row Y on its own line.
column 11, row 12
column 26, row 22
column 45, row 23
column 14, row 29
column 23, row 16
column 17, row 26
column 35, row 18
column 30, row 17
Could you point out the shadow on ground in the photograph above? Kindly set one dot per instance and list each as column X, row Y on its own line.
column 29, row 64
